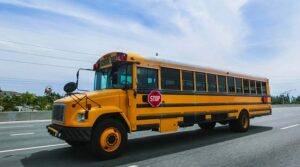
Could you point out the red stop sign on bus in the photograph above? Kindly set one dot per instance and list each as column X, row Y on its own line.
column 154, row 98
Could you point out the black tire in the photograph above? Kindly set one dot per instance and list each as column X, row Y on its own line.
column 102, row 126
column 241, row 124
column 76, row 143
column 223, row 122
column 207, row 125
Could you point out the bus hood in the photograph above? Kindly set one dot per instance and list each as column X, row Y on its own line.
column 96, row 96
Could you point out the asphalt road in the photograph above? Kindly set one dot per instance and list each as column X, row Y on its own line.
column 271, row 141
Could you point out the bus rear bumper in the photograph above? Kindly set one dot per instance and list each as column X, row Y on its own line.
column 70, row 133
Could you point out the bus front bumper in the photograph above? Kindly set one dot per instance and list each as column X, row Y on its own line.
column 70, row 133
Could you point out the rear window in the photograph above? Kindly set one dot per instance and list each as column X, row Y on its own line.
column 258, row 87
column 264, row 88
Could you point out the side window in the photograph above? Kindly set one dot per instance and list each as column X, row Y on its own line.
column 246, row 86
column 187, row 80
column 239, row 87
column 125, row 76
column 252, row 87
column 222, row 84
column 212, row 83
column 201, row 82
column 170, row 79
column 264, row 88
column 147, row 78
column 258, row 87
column 231, row 88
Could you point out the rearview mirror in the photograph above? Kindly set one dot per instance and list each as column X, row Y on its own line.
column 70, row 87
column 115, row 66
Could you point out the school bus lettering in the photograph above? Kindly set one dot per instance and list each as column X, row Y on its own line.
column 132, row 93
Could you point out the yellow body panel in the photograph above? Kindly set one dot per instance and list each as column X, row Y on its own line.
column 169, row 125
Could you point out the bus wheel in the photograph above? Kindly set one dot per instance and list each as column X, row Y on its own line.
column 241, row 124
column 207, row 125
column 108, row 139
column 223, row 122
column 76, row 143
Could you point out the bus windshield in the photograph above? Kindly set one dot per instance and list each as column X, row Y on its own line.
column 117, row 79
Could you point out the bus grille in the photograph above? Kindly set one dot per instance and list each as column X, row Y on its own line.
column 58, row 112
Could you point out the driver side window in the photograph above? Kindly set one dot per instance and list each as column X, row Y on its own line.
column 125, row 76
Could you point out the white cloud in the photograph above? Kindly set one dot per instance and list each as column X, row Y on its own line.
column 205, row 33
column 199, row 34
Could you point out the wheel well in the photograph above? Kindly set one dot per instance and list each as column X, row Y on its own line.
column 116, row 116
column 245, row 111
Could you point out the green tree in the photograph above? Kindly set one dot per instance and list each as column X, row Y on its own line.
column 45, row 102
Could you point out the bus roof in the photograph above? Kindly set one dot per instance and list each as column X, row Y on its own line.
column 186, row 66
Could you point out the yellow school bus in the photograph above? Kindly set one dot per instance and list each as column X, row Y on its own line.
column 132, row 93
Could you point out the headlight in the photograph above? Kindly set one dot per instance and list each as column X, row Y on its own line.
column 80, row 117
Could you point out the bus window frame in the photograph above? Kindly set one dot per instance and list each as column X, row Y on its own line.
column 262, row 92
column 254, row 87
column 258, row 89
column 242, row 91
column 148, row 68
column 180, row 76
column 206, row 87
column 245, row 79
column 234, row 92
column 226, row 90
column 216, row 81
column 193, row 80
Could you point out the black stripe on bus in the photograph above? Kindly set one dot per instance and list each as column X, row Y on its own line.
column 162, row 116
column 259, row 109
column 198, row 104
column 260, row 114
column 191, row 92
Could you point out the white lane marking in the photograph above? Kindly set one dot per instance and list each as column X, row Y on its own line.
column 133, row 166
column 32, row 148
column 25, row 126
column 22, row 134
column 31, row 121
column 287, row 127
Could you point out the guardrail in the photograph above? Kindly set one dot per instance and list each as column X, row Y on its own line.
column 23, row 116
column 43, row 115
column 285, row 105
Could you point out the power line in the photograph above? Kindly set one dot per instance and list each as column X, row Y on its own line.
column 9, row 79
column 26, row 80
column 44, row 47
column 39, row 55
column 41, row 64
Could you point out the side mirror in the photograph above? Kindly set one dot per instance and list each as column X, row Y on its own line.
column 70, row 87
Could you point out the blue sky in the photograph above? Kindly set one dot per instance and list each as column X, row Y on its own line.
column 248, row 36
